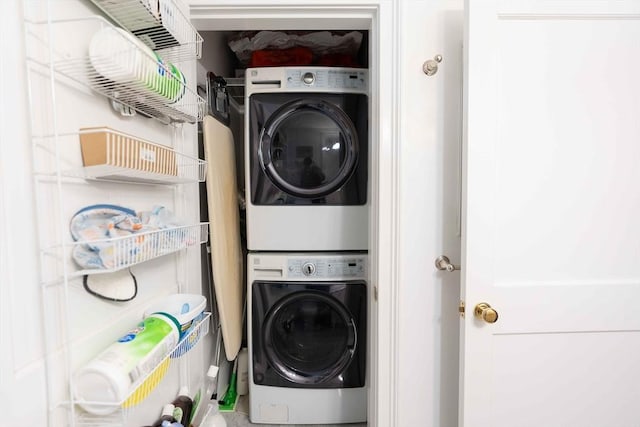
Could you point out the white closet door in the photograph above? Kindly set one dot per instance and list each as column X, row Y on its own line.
column 551, row 235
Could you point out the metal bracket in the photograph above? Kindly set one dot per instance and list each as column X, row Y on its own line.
column 443, row 263
column 218, row 98
column 123, row 109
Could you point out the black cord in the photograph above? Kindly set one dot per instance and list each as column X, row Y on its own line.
column 92, row 292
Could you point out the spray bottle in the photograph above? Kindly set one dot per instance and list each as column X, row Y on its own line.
column 213, row 417
column 206, row 413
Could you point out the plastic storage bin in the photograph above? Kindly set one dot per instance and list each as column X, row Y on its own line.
column 186, row 309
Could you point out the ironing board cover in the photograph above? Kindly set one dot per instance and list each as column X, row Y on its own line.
column 226, row 252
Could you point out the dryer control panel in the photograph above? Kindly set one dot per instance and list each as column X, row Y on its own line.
column 326, row 267
column 326, row 78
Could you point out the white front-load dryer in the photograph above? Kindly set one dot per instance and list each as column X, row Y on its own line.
column 307, row 158
column 307, row 337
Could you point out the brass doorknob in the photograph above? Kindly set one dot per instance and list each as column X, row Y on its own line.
column 483, row 311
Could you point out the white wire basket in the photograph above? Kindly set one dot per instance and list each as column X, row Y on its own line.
column 160, row 24
column 108, row 154
column 114, row 254
column 118, row 412
column 118, row 65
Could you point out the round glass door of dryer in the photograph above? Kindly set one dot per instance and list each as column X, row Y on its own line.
column 309, row 337
column 309, row 148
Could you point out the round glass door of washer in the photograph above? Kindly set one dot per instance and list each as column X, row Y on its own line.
column 309, row 337
column 308, row 148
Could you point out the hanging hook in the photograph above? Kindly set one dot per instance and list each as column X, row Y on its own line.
column 443, row 263
column 430, row 67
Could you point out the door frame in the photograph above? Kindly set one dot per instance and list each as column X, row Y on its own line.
column 380, row 17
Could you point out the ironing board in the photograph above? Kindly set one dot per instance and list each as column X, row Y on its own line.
column 226, row 252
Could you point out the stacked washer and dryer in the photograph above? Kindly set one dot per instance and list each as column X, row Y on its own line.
column 306, row 171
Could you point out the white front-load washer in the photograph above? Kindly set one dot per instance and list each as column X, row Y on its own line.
column 307, row 337
column 306, row 158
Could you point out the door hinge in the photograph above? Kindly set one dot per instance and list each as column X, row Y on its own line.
column 461, row 308
column 375, row 293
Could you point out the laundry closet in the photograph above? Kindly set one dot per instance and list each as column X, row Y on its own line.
column 342, row 265
column 71, row 324
column 500, row 257
column 427, row 354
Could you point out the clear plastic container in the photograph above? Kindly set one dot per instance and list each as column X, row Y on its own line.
column 213, row 417
column 204, row 407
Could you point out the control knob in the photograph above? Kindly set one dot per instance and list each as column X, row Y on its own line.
column 308, row 78
column 308, row 268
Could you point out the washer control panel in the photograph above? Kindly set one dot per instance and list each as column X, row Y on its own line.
column 323, row 268
column 326, row 79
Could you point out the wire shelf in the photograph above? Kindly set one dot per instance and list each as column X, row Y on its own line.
column 160, row 24
column 118, row 412
column 119, row 66
column 114, row 254
column 112, row 155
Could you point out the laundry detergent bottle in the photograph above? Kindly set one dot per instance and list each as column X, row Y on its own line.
column 183, row 407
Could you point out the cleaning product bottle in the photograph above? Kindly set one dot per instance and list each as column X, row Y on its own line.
column 183, row 407
column 167, row 415
column 108, row 378
column 205, row 395
column 213, row 417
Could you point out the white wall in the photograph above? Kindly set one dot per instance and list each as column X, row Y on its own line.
column 430, row 109
column 216, row 55
column 21, row 363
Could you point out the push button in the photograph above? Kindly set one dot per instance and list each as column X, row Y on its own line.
column 308, row 78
